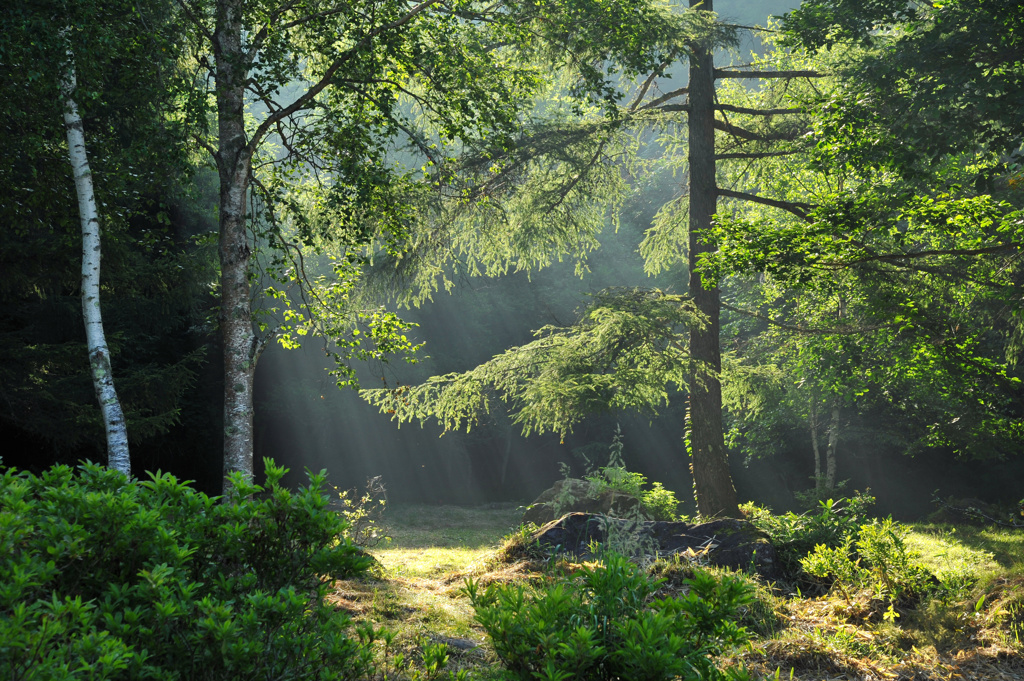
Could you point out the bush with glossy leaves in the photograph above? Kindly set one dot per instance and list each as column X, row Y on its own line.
column 105, row 577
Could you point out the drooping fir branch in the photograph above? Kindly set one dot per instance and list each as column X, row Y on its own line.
column 625, row 352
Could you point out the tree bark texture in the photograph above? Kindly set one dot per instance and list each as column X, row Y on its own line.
column 712, row 479
column 234, row 167
column 830, row 453
column 99, row 355
column 814, row 443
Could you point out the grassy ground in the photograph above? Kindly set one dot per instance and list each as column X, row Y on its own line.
column 419, row 593
column 973, row 635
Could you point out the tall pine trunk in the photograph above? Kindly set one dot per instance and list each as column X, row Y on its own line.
column 712, row 480
column 234, row 167
column 99, row 355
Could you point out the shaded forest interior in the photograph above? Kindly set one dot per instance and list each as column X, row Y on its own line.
column 162, row 314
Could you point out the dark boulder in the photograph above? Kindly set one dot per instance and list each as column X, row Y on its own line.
column 572, row 495
column 726, row 543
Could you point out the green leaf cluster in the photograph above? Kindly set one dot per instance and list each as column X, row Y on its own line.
column 794, row 535
column 605, row 623
column 121, row 579
column 878, row 559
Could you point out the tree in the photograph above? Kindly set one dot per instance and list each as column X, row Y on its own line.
column 342, row 87
column 122, row 60
column 99, row 355
column 918, row 222
column 569, row 172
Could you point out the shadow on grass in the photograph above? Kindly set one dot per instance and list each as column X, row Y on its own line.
column 1005, row 544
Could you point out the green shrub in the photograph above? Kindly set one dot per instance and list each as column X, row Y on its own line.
column 762, row 615
column 101, row 577
column 656, row 503
column 879, row 560
column 605, row 624
column 795, row 535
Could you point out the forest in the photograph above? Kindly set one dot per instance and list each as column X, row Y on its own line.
column 525, row 339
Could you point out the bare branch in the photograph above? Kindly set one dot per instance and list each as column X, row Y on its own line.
column 723, row 73
column 665, row 97
column 743, row 133
column 261, row 35
column 305, row 101
column 205, row 145
column 757, row 112
column 193, row 16
column 674, row 107
column 759, row 29
column 798, row 209
column 647, row 85
column 754, row 154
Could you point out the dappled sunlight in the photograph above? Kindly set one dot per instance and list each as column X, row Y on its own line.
column 988, row 548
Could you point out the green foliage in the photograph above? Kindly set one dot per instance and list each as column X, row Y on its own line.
column 363, row 513
column 622, row 354
column 878, row 560
column 656, row 503
column 890, row 289
column 762, row 615
column 605, row 624
column 118, row 579
column 795, row 535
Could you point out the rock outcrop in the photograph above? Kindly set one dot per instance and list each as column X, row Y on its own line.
column 727, row 542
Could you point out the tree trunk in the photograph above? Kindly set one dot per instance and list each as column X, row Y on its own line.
column 814, row 443
column 234, row 167
column 830, row 453
column 712, row 480
column 99, row 356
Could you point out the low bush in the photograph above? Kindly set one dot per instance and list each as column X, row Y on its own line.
column 605, row 623
column 795, row 535
column 764, row 612
column 656, row 502
column 106, row 578
column 878, row 560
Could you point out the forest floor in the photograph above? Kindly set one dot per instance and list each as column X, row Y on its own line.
column 418, row 595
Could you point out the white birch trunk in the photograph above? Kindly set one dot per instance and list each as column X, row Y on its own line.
column 99, row 355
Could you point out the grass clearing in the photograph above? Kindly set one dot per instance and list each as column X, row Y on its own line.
column 419, row 594
column 968, row 637
column 981, row 550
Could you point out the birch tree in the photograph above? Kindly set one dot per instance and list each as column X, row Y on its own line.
column 90, row 81
column 115, row 426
